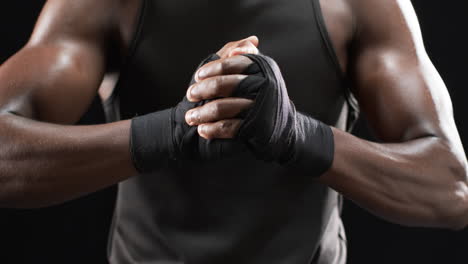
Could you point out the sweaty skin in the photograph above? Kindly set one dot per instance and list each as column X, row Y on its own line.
column 47, row 86
column 418, row 177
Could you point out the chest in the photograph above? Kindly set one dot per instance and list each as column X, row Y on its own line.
column 173, row 36
column 210, row 14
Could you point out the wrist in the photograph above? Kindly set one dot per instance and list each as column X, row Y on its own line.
column 150, row 145
column 313, row 146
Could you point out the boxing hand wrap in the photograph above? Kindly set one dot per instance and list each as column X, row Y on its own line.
column 151, row 140
column 159, row 137
column 274, row 131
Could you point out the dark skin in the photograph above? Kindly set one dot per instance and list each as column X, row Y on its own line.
column 416, row 178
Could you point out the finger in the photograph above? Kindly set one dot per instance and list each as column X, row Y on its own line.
column 246, row 49
column 248, row 45
column 224, row 129
column 215, row 87
column 231, row 65
column 220, row 109
column 226, row 50
column 254, row 40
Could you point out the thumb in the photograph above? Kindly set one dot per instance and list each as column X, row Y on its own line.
column 254, row 40
column 247, row 45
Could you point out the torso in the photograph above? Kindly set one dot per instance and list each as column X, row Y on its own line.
column 337, row 14
column 255, row 207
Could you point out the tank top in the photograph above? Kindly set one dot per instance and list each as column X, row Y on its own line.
column 236, row 210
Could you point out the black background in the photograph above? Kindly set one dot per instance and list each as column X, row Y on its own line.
column 76, row 232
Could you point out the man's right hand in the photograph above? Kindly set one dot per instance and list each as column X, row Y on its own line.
column 159, row 137
column 162, row 136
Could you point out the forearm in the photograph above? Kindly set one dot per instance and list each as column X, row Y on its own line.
column 416, row 183
column 421, row 181
column 43, row 164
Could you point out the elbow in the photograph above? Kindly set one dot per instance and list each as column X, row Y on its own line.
column 455, row 214
column 453, row 202
column 455, row 219
column 453, row 208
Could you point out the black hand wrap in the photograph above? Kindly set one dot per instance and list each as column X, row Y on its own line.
column 162, row 136
column 273, row 130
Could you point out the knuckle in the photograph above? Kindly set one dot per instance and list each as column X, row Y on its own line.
column 226, row 65
column 225, row 128
column 218, row 82
column 210, row 132
column 218, row 130
column 215, row 108
column 213, row 88
column 223, row 82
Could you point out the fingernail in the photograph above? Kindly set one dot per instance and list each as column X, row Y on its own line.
column 193, row 116
column 201, row 131
column 189, row 93
column 202, row 73
column 194, row 92
column 188, row 118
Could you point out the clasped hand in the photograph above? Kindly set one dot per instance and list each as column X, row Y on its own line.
column 217, row 81
column 237, row 94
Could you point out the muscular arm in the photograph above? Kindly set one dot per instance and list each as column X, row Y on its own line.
column 418, row 176
column 44, row 89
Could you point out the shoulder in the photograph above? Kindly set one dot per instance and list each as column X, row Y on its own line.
column 83, row 20
column 107, row 25
column 386, row 22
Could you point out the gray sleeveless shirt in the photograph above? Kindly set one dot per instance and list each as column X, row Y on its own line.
column 237, row 210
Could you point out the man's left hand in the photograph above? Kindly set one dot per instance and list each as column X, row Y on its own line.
column 218, row 80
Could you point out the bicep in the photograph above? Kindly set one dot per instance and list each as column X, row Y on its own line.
column 398, row 88
column 56, row 75
column 403, row 99
column 50, row 82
